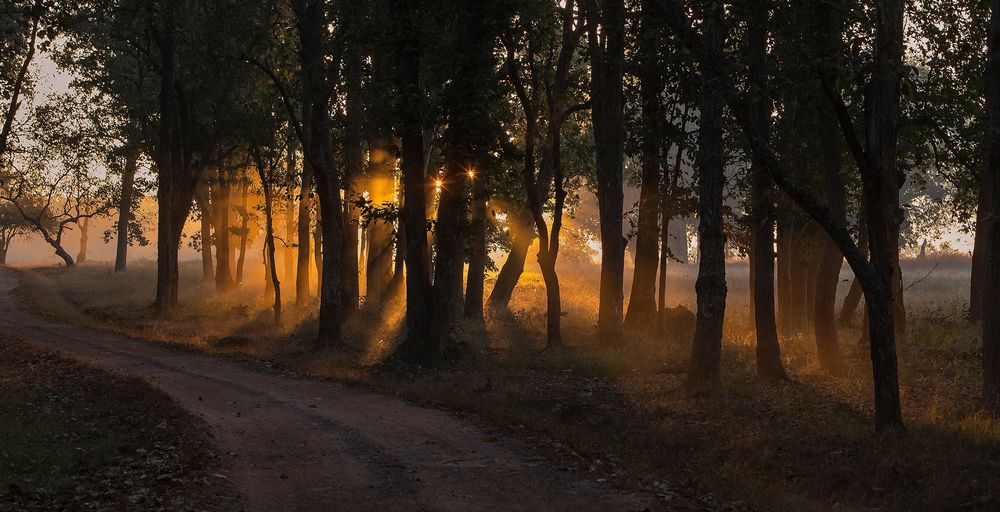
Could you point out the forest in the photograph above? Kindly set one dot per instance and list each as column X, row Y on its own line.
column 500, row 255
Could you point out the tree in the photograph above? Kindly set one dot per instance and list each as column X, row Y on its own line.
column 606, row 44
column 407, row 50
column 642, row 301
column 990, row 194
column 711, row 285
column 12, row 226
column 874, row 273
column 768, row 351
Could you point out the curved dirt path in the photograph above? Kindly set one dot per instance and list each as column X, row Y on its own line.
column 296, row 444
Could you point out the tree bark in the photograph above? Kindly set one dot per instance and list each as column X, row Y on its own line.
column 606, row 36
column 303, row 227
column 474, row 285
column 81, row 255
column 244, row 233
column 642, row 301
column 407, row 51
column 319, row 71
column 275, row 285
column 353, row 170
column 125, row 209
column 711, row 284
column 288, row 259
column 522, row 229
column 201, row 198
column 991, row 226
column 378, row 268
column 854, row 295
column 976, row 277
column 768, row 351
column 828, row 30
column 224, row 281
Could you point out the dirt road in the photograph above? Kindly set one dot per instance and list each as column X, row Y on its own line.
column 297, row 444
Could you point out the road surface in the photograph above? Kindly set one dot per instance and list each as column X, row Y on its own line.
column 299, row 444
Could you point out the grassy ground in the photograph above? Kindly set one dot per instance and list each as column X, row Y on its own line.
column 804, row 445
column 75, row 438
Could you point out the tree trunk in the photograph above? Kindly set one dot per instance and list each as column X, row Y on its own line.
column 288, row 259
column 769, row 364
column 223, row 244
column 268, row 281
column 125, row 209
column 783, row 263
column 417, row 344
column 244, row 233
column 378, row 267
column 317, row 236
column 607, row 70
column 881, row 203
column 303, row 235
column 202, row 200
column 319, row 71
column 711, row 284
column 353, row 170
column 474, row 287
column 642, row 301
column 976, row 278
column 81, row 256
column 464, row 151
column 828, row 29
column 272, row 271
column 522, row 229
column 991, row 226
column 168, row 167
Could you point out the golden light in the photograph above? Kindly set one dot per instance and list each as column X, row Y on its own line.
column 438, row 183
column 472, row 173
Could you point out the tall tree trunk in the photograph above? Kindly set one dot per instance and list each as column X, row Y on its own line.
column 319, row 71
column 828, row 30
column 783, row 262
column 464, row 151
column 976, row 277
column 203, row 201
column 168, row 167
column 223, row 245
column 378, row 268
column 881, row 203
column 317, row 236
column 353, row 169
column 606, row 36
column 474, row 287
column 854, row 295
column 642, row 301
column 288, row 260
column 990, row 193
column 244, row 233
column 417, row 344
column 84, row 225
column 303, row 226
column 711, row 284
column 769, row 364
column 268, row 281
column 272, row 271
column 522, row 229
column 125, row 209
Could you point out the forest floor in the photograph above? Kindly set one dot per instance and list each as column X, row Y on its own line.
column 77, row 438
column 622, row 414
column 293, row 443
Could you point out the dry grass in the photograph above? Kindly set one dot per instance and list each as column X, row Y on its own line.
column 804, row 445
